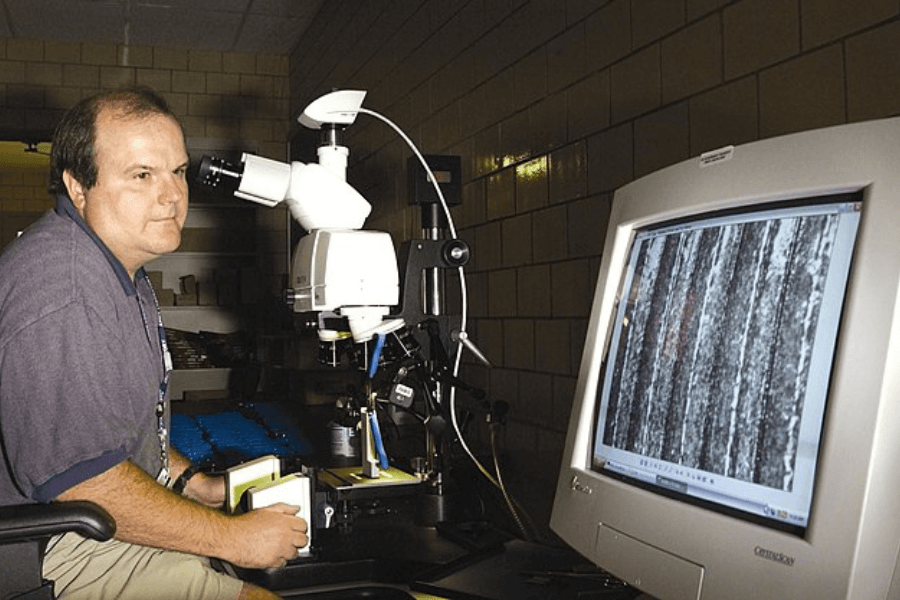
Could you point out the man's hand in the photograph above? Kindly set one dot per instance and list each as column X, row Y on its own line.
column 268, row 537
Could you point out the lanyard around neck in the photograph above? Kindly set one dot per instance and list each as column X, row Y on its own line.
column 162, row 431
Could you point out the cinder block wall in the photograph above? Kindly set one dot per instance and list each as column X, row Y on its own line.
column 235, row 98
column 552, row 105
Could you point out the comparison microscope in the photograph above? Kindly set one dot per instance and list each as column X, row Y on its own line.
column 345, row 281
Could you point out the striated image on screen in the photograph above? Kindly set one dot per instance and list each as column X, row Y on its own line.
column 720, row 355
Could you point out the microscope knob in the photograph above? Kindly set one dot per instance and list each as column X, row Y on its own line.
column 456, row 253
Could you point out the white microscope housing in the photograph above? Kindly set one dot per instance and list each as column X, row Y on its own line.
column 336, row 267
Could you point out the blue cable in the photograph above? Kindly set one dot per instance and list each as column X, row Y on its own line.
column 376, row 355
column 373, row 418
column 379, row 445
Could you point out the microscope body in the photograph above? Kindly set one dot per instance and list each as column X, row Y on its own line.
column 349, row 273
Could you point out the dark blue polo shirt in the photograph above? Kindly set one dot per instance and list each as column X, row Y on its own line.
column 80, row 361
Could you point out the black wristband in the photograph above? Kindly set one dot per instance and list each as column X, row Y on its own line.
column 181, row 482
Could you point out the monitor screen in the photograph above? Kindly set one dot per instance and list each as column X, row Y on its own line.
column 717, row 374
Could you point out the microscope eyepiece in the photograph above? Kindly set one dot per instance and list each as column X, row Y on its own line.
column 212, row 171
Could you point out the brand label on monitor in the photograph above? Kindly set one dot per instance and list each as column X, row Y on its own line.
column 774, row 556
column 578, row 486
column 716, row 156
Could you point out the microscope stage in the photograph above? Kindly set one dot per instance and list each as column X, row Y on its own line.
column 351, row 484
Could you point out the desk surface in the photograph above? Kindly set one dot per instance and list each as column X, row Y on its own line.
column 527, row 571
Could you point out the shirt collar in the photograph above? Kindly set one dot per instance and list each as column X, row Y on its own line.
column 65, row 208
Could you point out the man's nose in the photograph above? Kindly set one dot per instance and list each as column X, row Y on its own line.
column 174, row 190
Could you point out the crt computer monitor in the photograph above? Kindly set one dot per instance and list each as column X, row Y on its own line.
column 735, row 432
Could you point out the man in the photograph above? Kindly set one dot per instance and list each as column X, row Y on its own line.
column 84, row 368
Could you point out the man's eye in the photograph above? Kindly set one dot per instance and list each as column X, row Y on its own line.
column 143, row 175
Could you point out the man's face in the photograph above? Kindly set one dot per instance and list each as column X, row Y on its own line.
column 139, row 203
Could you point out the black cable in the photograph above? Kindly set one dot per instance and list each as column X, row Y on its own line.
column 510, row 505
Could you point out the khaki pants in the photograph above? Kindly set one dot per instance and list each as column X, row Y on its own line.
column 86, row 569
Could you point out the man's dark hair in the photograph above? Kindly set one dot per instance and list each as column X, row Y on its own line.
column 75, row 138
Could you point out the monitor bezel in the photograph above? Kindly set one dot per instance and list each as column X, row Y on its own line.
column 851, row 547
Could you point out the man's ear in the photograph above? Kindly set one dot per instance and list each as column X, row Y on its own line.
column 75, row 189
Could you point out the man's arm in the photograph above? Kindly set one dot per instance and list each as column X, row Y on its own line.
column 149, row 514
column 208, row 491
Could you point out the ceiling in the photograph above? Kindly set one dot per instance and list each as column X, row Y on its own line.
column 268, row 26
